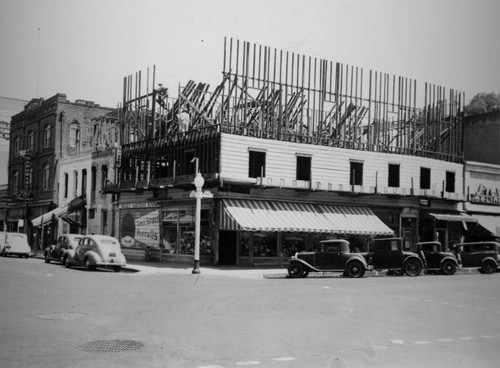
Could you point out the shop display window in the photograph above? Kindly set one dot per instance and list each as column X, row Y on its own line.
column 178, row 231
column 264, row 245
column 293, row 243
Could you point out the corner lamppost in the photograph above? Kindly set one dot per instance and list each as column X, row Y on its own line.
column 198, row 194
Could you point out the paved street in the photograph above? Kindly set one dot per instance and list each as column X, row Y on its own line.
column 163, row 317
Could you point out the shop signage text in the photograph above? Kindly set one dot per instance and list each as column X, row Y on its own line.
column 485, row 195
column 139, row 205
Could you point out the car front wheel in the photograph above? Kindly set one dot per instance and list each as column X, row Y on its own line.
column 296, row 270
column 66, row 262
column 355, row 269
column 448, row 268
column 488, row 267
column 117, row 268
column 47, row 258
column 413, row 267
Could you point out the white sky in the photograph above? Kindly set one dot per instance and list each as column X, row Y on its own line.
column 85, row 48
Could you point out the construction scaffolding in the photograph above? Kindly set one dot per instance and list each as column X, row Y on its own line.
column 281, row 95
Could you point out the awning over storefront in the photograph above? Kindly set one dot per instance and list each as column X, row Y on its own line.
column 252, row 215
column 490, row 223
column 77, row 203
column 355, row 220
column 452, row 217
column 47, row 217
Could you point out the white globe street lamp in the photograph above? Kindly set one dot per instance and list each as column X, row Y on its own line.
column 198, row 194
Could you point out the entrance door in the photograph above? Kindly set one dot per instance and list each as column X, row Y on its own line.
column 228, row 242
column 409, row 232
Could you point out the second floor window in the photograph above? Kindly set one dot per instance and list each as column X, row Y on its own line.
column 104, row 176
column 16, row 146
column 304, row 168
column 256, row 164
column 425, row 178
column 45, row 177
column 46, row 136
column 84, row 182
column 450, row 182
column 31, row 141
column 356, row 173
column 93, row 179
column 66, row 180
column 15, row 182
column 74, row 135
column 75, row 184
column 393, row 176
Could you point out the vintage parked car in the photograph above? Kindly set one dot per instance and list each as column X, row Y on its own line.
column 55, row 252
column 388, row 254
column 96, row 251
column 485, row 256
column 14, row 244
column 330, row 256
column 435, row 259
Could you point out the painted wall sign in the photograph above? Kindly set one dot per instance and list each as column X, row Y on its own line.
column 486, row 195
column 139, row 228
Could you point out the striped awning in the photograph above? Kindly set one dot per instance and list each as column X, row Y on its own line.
column 254, row 215
column 452, row 217
column 355, row 220
column 251, row 215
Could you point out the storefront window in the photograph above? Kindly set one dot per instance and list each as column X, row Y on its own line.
column 178, row 232
column 265, row 245
column 169, row 231
column 293, row 243
column 316, row 238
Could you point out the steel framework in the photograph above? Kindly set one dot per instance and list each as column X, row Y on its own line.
column 284, row 95
column 281, row 95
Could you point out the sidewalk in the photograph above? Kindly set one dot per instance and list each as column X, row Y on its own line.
column 184, row 269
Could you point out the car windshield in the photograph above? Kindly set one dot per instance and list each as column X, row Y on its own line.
column 490, row 247
column 386, row 245
column 429, row 247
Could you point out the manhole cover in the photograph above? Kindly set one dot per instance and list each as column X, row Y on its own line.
column 110, row 346
column 65, row 316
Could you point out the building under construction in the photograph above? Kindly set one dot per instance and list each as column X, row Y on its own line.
column 294, row 149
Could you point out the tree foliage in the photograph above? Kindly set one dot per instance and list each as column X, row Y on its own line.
column 482, row 103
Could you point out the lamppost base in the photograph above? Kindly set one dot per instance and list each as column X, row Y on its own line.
column 196, row 267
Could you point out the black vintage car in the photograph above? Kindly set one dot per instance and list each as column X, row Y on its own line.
column 388, row 254
column 485, row 256
column 330, row 256
column 435, row 259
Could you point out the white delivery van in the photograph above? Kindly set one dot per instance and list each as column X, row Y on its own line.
column 14, row 244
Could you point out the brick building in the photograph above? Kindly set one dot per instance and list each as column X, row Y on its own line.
column 41, row 135
column 8, row 108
